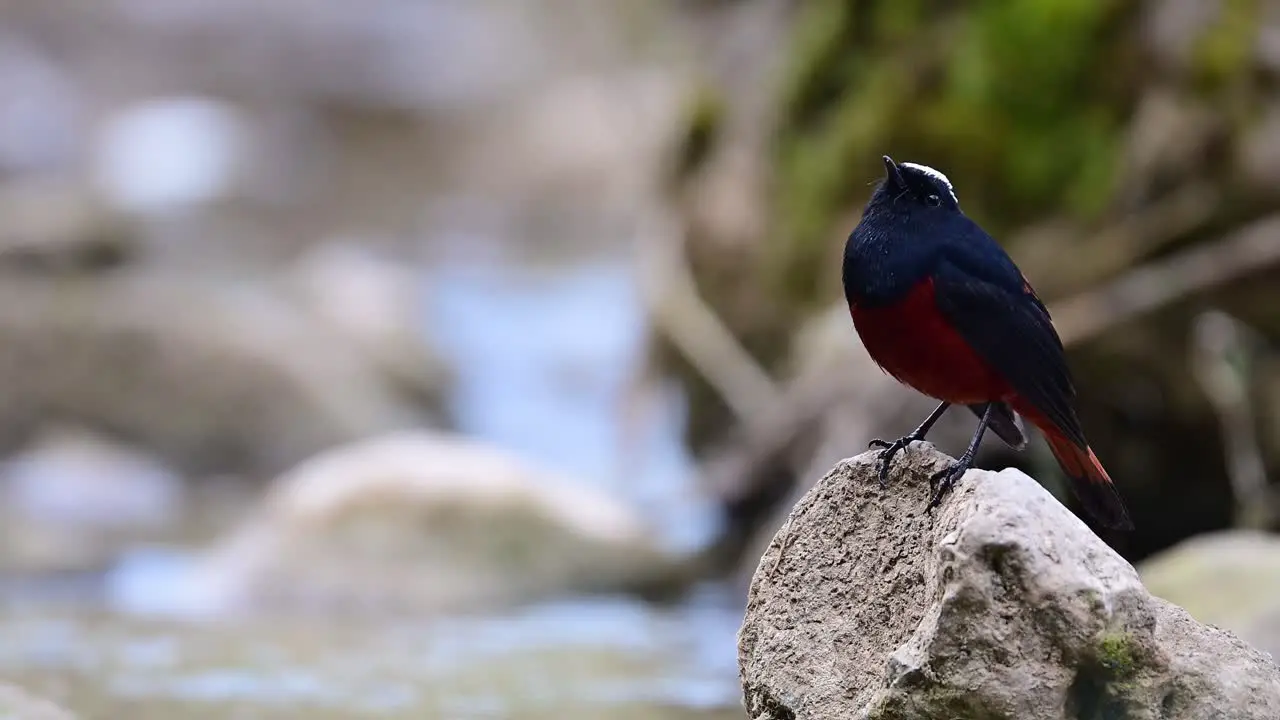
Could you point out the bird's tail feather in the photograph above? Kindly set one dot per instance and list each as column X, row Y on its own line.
column 1004, row 422
column 1090, row 482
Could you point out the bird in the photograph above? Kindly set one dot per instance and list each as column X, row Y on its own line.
column 942, row 308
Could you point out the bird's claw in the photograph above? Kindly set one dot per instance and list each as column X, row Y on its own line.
column 941, row 482
column 886, row 454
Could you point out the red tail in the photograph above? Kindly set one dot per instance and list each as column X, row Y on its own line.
column 1090, row 482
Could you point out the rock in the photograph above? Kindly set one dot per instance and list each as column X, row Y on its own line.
column 73, row 498
column 1173, row 28
column 75, row 476
column 210, row 376
column 53, row 228
column 1230, row 579
column 377, row 305
column 427, row 522
column 18, row 704
column 1000, row 604
column 599, row 136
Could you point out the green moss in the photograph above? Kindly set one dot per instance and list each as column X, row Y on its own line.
column 1225, row 50
column 816, row 71
column 1105, row 683
column 934, row 701
column 1115, row 655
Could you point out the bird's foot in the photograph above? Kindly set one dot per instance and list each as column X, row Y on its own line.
column 941, row 482
column 886, row 454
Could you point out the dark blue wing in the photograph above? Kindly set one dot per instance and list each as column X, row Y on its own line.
column 1011, row 330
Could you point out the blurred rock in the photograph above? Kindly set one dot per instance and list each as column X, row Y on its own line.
column 239, row 131
column 997, row 604
column 426, row 522
column 1173, row 28
column 377, row 305
column 18, row 704
column 388, row 52
column 72, row 499
column 599, row 136
column 59, row 228
column 208, row 375
column 1230, row 579
column 74, row 476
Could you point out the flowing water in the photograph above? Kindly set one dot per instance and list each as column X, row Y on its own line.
column 604, row 658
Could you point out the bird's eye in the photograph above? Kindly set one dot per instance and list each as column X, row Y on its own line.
column 933, row 200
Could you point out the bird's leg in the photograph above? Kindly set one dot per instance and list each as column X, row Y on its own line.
column 892, row 448
column 943, row 480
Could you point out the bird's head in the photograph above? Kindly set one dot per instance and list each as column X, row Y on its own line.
column 910, row 187
column 911, row 217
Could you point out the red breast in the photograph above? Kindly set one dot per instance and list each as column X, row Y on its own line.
column 914, row 343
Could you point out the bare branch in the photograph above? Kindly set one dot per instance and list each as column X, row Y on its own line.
column 695, row 329
column 1165, row 281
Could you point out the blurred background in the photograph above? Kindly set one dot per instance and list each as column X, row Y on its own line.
column 456, row 358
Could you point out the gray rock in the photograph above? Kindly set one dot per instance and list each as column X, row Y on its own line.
column 425, row 522
column 54, row 228
column 375, row 304
column 73, row 498
column 1230, row 579
column 18, row 704
column 75, row 477
column 1173, row 28
column 1000, row 604
column 206, row 375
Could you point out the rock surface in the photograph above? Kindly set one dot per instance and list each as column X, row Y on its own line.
column 1000, row 604
column 1230, row 579
column 72, row 498
column 425, row 521
column 18, row 704
column 207, row 376
column 375, row 304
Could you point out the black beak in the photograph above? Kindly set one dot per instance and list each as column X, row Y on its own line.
column 892, row 173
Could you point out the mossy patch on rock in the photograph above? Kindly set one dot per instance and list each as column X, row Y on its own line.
column 1115, row 654
column 1105, row 685
column 1226, row 49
